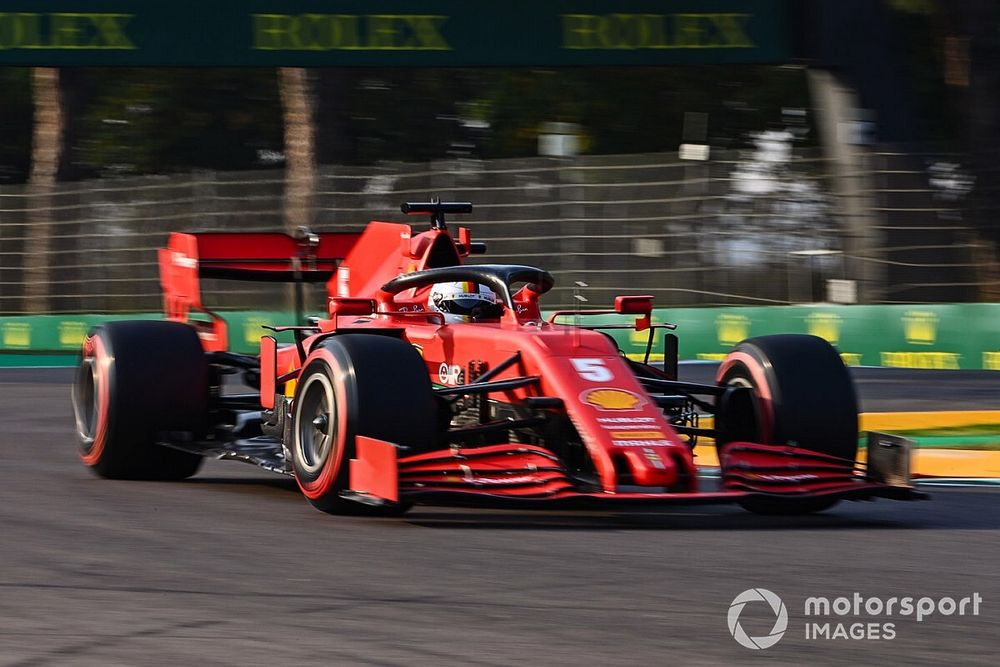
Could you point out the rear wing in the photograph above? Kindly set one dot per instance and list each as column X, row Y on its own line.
column 305, row 257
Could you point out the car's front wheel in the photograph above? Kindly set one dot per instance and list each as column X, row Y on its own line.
column 351, row 385
column 804, row 398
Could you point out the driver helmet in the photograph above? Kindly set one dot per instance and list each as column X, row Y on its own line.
column 464, row 302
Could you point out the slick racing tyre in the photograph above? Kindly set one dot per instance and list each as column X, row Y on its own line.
column 138, row 380
column 805, row 398
column 351, row 385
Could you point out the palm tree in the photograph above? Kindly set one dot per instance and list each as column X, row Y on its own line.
column 300, row 146
column 45, row 154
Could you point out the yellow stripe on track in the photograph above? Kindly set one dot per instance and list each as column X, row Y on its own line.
column 956, row 463
column 913, row 421
column 926, row 462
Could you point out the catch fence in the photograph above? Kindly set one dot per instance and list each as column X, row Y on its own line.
column 757, row 227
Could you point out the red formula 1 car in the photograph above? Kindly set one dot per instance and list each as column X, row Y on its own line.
column 388, row 402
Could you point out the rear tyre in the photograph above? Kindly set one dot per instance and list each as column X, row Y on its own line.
column 351, row 385
column 137, row 380
column 805, row 398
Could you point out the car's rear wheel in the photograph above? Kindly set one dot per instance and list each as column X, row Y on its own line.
column 351, row 385
column 805, row 398
column 138, row 380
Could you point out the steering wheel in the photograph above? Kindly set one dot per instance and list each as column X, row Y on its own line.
column 498, row 277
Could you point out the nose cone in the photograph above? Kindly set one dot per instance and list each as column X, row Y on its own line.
column 651, row 466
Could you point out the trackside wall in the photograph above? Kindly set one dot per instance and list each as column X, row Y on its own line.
column 950, row 336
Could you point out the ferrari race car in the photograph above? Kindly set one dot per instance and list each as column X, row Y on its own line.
column 390, row 401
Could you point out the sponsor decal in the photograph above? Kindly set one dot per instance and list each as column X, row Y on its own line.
column 851, row 358
column 608, row 398
column 591, row 32
column 991, row 361
column 343, row 281
column 732, row 328
column 641, row 443
column 419, row 349
column 183, row 261
column 72, row 334
column 17, row 334
column 802, row 477
column 937, row 360
column 825, row 325
column 519, row 479
column 449, row 373
column 654, row 458
column 470, row 476
column 920, row 327
column 618, row 422
column 639, row 435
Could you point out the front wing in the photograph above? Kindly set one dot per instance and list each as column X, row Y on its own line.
column 525, row 476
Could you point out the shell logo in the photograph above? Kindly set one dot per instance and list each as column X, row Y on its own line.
column 606, row 398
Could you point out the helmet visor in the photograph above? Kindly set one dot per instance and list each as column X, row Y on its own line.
column 463, row 305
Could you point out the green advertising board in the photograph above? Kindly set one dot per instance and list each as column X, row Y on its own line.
column 22, row 337
column 390, row 32
column 950, row 336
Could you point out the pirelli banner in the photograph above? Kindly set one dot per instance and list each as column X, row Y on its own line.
column 429, row 33
column 25, row 339
column 948, row 336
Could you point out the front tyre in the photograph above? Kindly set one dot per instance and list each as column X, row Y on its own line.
column 805, row 398
column 351, row 385
column 136, row 381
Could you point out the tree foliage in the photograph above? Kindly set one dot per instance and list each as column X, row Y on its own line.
column 143, row 121
column 15, row 124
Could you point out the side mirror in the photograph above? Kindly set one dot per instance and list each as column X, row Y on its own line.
column 351, row 306
column 634, row 305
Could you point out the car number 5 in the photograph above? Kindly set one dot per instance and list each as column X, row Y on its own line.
column 592, row 369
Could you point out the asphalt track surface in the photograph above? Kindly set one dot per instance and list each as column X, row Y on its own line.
column 233, row 567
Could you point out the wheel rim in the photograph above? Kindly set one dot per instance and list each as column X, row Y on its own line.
column 86, row 406
column 315, row 424
column 738, row 381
